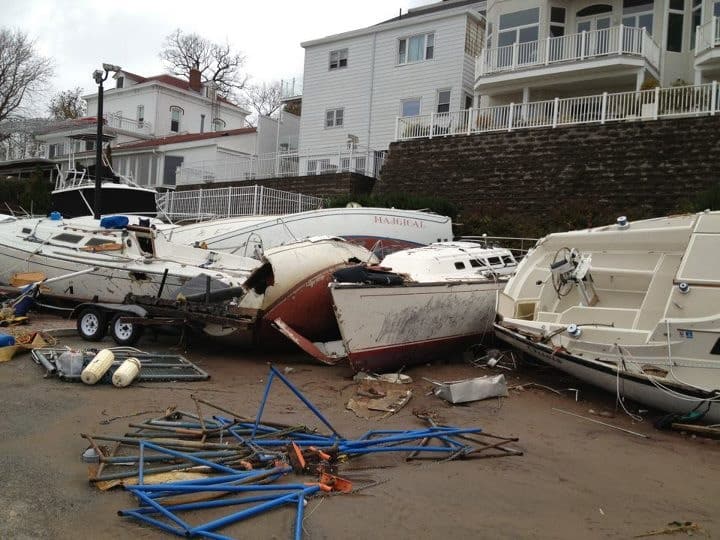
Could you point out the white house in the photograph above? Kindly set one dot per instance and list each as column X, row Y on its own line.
column 154, row 125
column 542, row 49
column 355, row 84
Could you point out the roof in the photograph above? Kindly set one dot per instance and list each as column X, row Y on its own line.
column 188, row 137
column 170, row 80
column 431, row 11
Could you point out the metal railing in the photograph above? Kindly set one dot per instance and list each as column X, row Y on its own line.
column 203, row 204
column 519, row 246
column 707, row 36
column 291, row 88
column 622, row 40
column 118, row 121
column 282, row 164
column 641, row 105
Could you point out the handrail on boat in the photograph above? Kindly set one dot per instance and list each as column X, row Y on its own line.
column 508, row 242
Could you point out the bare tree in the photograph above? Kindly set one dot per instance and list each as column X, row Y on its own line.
column 23, row 72
column 263, row 99
column 68, row 104
column 216, row 62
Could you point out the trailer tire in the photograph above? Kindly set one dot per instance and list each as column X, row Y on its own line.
column 125, row 333
column 92, row 324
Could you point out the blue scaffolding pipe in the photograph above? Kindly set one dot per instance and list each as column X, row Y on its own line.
column 200, row 505
column 230, row 488
column 144, row 498
column 250, row 512
column 154, row 522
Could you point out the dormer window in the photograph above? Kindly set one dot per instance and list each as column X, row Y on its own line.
column 120, row 81
column 218, row 124
column 175, row 115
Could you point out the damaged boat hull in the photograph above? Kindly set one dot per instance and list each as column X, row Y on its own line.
column 387, row 327
column 679, row 399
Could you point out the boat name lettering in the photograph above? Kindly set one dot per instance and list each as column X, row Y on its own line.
column 402, row 222
column 685, row 333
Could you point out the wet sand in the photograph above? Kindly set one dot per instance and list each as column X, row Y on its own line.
column 576, row 480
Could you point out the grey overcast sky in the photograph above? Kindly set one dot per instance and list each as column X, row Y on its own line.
column 82, row 34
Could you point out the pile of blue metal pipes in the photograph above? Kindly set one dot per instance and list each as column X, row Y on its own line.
column 244, row 463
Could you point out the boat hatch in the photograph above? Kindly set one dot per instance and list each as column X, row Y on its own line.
column 98, row 242
column 68, row 238
column 145, row 238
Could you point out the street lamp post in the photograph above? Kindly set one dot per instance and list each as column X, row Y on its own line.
column 100, row 77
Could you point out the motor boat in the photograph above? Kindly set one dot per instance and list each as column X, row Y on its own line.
column 631, row 307
column 417, row 305
column 381, row 230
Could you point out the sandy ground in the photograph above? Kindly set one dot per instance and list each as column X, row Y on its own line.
column 576, row 479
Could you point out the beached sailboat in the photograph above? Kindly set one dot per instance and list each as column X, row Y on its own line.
column 131, row 259
column 632, row 308
column 382, row 230
column 418, row 305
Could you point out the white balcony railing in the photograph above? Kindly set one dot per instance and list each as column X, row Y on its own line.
column 282, row 164
column 201, row 204
column 707, row 36
column 617, row 40
column 600, row 108
column 118, row 121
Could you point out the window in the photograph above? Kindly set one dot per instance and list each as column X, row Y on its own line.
column 518, row 27
column 716, row 9
column 218, row 124
column 696, row 20
column 410, row 107
column 175, row 114
column 460, row 265
column 638, row 14
column 468, row 101
column 443, row 101
column 334, row 118
column 675, row 25
column 89, row 145
column 140, row 115
column 202, row 123
column 557, row 21
column 416, row 48
column 120, row 81
column 338, row 59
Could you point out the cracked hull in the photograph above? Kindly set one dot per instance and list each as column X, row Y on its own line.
column 384, row 328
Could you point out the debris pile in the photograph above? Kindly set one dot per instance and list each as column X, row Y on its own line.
column 187, row 461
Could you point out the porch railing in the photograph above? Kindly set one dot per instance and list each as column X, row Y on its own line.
column 707, row 36
column 291, row 88
column 628, row 106
column 622, row 40
column 119, row 121
column 203, row 204
column 363, row 161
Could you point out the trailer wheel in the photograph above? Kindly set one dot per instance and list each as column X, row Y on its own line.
column 92, row 324
column 125, row 333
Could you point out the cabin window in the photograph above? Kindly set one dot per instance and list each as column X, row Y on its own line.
column 338, row 59
column 460, row 265
column 508, row 260
column 98, row 241
column 26, row 230
column 67, row 237
column 475, row 263
column 416, row 48
column 494, row 261
column 716, row 348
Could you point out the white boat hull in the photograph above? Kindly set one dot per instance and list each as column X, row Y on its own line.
column 387, row 327
column 637, row 387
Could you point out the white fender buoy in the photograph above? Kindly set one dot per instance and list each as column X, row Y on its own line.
column 126, row 373
column 94, row 371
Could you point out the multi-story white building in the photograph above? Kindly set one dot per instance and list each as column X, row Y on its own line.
column 541, row 49
column 154, row 125
column 357, row 83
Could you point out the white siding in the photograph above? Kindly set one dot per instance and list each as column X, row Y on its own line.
column 371, row 88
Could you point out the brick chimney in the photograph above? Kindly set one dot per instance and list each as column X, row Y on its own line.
column 195, row 82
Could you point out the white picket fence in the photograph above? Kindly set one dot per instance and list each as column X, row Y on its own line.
column 203, row 204
column 623, row 106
